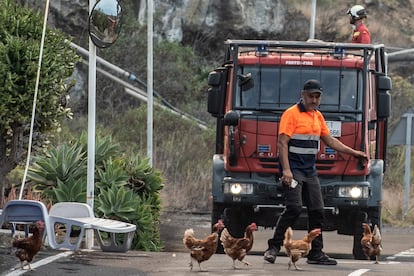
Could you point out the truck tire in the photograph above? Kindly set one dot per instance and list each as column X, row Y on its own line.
column 218, row 213
column 374, row 217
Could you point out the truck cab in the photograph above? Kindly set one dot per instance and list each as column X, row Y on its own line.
column 247, row 95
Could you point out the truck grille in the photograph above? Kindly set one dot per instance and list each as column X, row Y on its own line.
column 269, row 163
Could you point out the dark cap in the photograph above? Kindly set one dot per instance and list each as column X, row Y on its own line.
column 312, row 86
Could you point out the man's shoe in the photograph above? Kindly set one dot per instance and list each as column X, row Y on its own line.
column 321, row 259
column 270, row 255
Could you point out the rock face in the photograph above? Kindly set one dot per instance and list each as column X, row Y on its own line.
column 202, row 24
column 241, row 16
column 182, row 19
column 71, row 16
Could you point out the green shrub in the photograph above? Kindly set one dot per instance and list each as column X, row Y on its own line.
column 127, row 189
column 72, row 190
column 117, row 202
column 65, row 163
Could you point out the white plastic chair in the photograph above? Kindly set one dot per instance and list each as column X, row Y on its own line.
column 72, row 215
column 25, row 212
column 80, row 215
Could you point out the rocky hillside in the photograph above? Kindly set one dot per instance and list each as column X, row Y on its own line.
column 206, row 24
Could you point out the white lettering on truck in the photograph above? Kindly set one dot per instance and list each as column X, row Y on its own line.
column 299, row 62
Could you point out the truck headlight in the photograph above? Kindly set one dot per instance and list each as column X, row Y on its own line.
column 238, row 188
column 353, row 192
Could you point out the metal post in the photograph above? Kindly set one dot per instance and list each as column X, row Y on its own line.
column 407, row 163
column 150, row 80
column 312, row 23
column 91, row 128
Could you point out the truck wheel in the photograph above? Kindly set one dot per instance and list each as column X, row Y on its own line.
column 218, row 213
column 374, row 217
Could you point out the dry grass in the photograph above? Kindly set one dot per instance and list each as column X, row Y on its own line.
column 182, row 152
column 393, row 208
column 187, row 170
column 13, row 193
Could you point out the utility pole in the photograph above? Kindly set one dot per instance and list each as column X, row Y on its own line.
column 90, row 182
column 312, row 22
column 150, row 91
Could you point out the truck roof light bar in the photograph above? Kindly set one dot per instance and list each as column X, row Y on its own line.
column 298, row 44
column 261, row 51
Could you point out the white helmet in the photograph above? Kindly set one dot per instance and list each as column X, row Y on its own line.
column 357, row 12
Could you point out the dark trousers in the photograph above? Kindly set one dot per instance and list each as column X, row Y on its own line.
column 309, row 190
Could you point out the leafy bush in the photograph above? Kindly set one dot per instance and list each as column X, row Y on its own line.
column 73, row 190
column 127, row 188
column 63, row 164
column 20, row 41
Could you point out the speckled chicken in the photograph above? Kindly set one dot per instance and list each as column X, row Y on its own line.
column 202, row 249
column 371, row 242
column 295, row 249
column 237, row 248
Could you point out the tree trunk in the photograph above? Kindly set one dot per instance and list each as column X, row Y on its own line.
column 11, row 152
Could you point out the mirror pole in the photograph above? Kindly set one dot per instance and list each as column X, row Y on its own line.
column 150, row 80
column 91, row 128
column 312, row 22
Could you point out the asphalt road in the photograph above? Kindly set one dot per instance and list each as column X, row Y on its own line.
column 396, row 259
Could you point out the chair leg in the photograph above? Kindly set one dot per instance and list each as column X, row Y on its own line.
column 114, row 246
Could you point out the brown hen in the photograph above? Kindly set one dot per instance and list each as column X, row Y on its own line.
column 371, row 242
column 295, row 249
column 237, row 248
column 28, row 247
column 202, row 249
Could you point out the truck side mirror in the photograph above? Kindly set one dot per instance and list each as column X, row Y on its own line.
column 245, row 81
column 384, row 83
column 384, row 98
column 213, row 78
column 105, row 23
column 216, row 92
column 231, row 118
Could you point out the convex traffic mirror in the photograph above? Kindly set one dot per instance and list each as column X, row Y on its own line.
column 105, row 23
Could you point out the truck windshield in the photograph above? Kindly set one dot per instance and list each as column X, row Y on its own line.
column 276, row 88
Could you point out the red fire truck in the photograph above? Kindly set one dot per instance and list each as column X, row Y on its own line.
column 247, row 95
